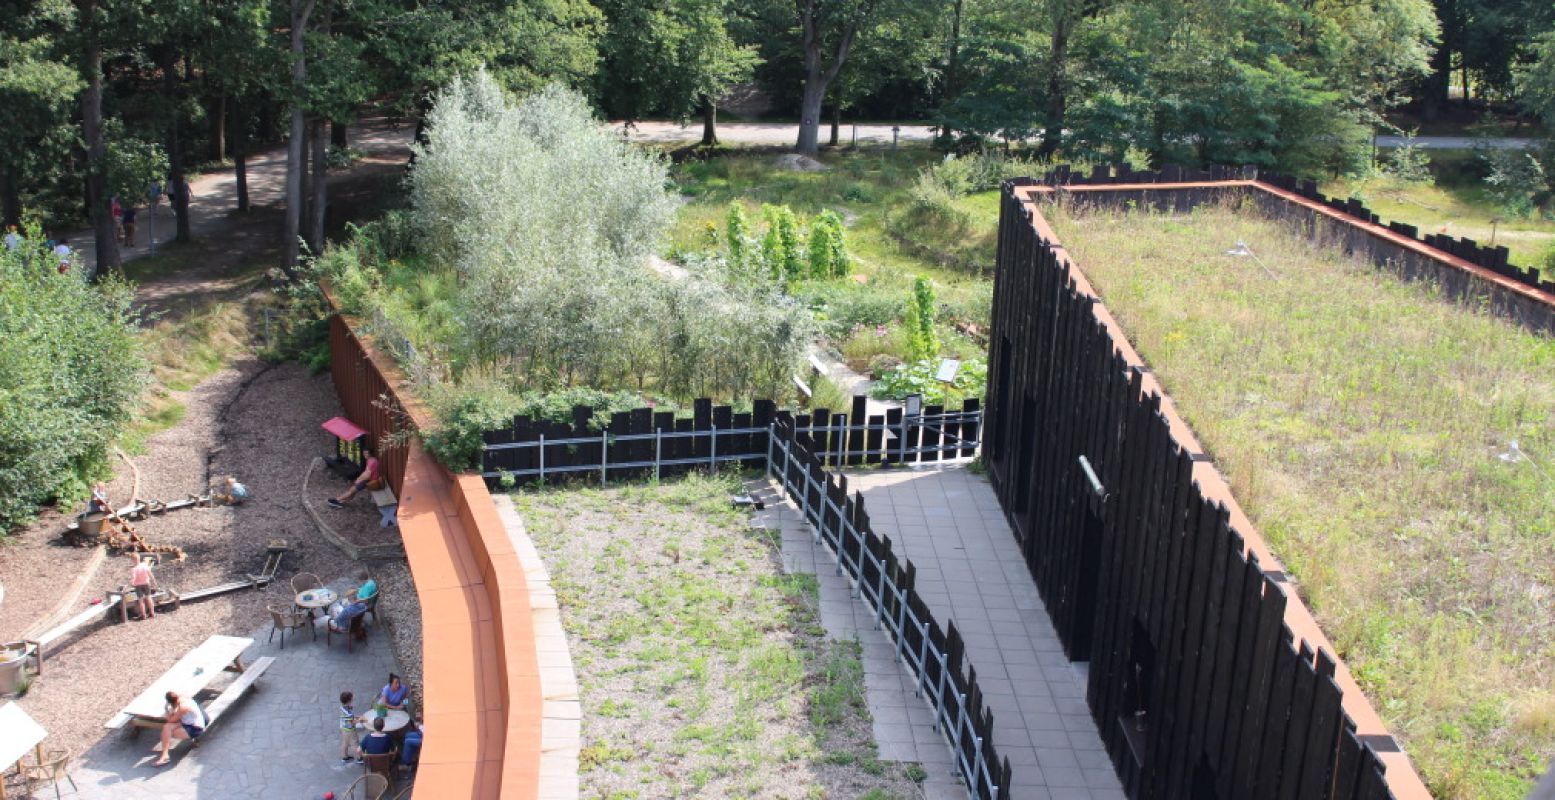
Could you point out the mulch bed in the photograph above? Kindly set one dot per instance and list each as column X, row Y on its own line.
column 253, row 420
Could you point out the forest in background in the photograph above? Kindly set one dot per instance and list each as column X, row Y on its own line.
column 110, row 97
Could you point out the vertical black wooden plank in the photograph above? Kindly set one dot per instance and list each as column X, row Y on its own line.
column 931, row 430
column 1241, row 671
column 1316, row 777
column 684, row 448
column 723, row 420
column 969, row 427
column 856, row 438
column 1272, row 644
column 820, row 436
column 1347, row 767
column 1300, row 722
column 702, row 420
column 872, row 440
column 1276, row 717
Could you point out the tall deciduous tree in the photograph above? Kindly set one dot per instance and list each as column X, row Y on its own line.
column 36, row 90
column 671, row 56
column 92, row 22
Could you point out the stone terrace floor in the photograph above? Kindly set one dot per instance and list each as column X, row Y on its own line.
column 970, row 570
column 280, row 741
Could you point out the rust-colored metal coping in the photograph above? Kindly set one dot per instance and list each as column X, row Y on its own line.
column 1402, row 779
column 480, row 671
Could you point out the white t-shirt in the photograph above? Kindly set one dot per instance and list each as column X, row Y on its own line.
column 13, row 240
column 62, row 250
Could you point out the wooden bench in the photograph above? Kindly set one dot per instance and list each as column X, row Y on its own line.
column 230, row 695
column 388, row 506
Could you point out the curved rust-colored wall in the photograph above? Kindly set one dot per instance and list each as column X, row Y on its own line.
column 481, row 675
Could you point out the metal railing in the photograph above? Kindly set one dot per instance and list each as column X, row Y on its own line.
column 886, row 585
column 913, row 437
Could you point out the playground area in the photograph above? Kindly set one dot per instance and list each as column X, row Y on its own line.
column 220, row 569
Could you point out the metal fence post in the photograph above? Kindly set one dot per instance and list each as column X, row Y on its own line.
column 923, row 662
column 604, row 455
column 712, row 452
column 880, row 593
column 771, row 443
column 901, row 440
column 960, row 721
column 542, row 459
column 939, row 691
column 977, row 762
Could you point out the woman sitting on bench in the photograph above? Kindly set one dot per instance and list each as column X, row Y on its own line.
column 185, row 720
column 370, row 478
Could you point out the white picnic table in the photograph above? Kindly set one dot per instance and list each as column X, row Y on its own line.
column 188, row 677
column 18, row 734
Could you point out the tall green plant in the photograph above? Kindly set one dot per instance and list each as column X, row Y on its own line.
column 828, row 248
column 781, row 249
column 737, row 236
column 922, row 341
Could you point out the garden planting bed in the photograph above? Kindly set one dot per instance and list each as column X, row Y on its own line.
column 703, row 669
column 1365, row 425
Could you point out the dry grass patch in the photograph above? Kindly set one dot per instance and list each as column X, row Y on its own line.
column 1364, row 424
column 703, row 668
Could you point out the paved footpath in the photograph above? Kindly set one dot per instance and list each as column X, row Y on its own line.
column 281, row 741
column 970, row 570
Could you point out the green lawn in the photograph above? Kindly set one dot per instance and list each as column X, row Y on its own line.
column 1361, row 422
column 703, row 667
column 871, row 190
column 1457, row 204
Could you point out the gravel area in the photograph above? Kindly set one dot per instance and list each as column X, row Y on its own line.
column 401, row 615
column 256, row 421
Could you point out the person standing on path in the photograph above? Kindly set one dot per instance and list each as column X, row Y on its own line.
column 145, row 584
column 129, row 226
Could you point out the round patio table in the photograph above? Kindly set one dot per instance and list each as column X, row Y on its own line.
column 315, row 599
column 394, row 720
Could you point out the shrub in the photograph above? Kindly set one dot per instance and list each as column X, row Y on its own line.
column 922, row 341
column 828, row 247
column 1409, row 162
column 71, row 368
column 919, row 377
column 738, row 237
column 1517, row 180
column 464, row 414
column 780, row 248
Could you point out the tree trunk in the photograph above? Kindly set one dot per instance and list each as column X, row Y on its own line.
column 709, row 122
column 300, row 9
column 96, row 149
column 320, row 142
column 218, row 115
column 177, row 194
column 338, row 134
column 1053, row 131
column 239, row 157
column 836, row 123
column 810, row 117
column 952, row 65
column 818, row 76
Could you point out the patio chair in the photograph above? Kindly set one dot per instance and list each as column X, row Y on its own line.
column 372, row 606
column 357, row 630
column 55, row 765
column 381, row 764
column 373, row 787
column 285, row 619
column 303, row 581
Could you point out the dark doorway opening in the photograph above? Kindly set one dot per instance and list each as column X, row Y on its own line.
column 1086, row 585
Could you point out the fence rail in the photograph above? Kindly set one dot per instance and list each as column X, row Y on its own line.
column 647, row 442
column 884, row 582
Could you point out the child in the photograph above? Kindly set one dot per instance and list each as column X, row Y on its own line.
column 145, row 584
column 348, row 746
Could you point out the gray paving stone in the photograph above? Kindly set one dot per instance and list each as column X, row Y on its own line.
column 280, row 741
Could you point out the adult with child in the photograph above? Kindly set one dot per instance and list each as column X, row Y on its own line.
column 371, row 477
column 185, row 720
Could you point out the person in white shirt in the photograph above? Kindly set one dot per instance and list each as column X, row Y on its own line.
column 13, row 239
column 185, row 720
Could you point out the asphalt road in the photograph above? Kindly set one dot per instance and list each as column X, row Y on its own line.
column 785, row 133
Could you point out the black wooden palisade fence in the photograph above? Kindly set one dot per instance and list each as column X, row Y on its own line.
column 934, row 655
column 646, row 442
column 1194, row 680
column 796, row 450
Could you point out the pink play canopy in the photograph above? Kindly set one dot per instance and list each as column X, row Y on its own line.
column 343, row 428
